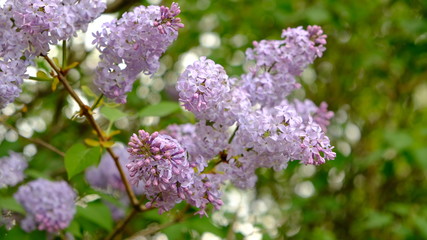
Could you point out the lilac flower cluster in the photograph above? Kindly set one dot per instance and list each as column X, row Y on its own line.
column 133, row 44
column 279, row 61
column 201, row 86
column 269, row 129
column 12, row 169
column 49, row 205
column 28, row 28
column 160, row 163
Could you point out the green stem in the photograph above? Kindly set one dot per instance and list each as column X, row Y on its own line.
column 98, row 100
column 232, row 135
column 64, row 54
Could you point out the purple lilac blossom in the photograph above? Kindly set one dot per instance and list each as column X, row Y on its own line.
column 40, row 23
column 202, row 86
column 278, row 62
column 12, row 169
column 309, row 111
column 270, row 131
column 159, row 163
column 27, row 28
column 201, row 141
column 206, row 190
column 49, row 205
column 12, row 73
column 133, row 44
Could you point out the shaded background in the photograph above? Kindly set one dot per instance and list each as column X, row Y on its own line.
column 372, row 75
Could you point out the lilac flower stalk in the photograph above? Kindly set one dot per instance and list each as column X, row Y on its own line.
column 133, row 44
column 27, row 28
column 49, row 205
column 160, row 163
column 201, row 87
column 40, row 23
column 278, row 62
column 12, row 169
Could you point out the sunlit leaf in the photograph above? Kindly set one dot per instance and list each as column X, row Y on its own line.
column 160, row 110
column 112, row 114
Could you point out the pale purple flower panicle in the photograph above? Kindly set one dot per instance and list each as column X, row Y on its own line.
column 49, row 205
column 201, row 87
column 278, row 62
column 12, row 74
column 270, row 131
column 12, row 169
column 309, row 111
column 27, row 28
column 36, row 24
column 133, row 44
column 206, row 190
column 160, row 164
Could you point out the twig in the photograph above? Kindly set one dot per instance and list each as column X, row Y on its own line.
column 98, row 100
column 85, row 110
column 36, row 140
column 150, row 230
column 121, row 225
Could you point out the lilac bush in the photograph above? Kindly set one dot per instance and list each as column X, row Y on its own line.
column 242, row 123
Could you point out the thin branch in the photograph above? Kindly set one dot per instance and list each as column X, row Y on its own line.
column 35, row 140
column 121, row 225
column 64, row 53
column 85, row 111
column 151, row 230
column 98, row 100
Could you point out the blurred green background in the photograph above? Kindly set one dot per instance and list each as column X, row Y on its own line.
column 373, row 76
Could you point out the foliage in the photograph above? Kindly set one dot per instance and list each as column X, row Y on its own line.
column 371, row 76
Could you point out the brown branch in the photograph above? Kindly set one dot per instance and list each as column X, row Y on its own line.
column 151, row 230
column 121, row 225
column 36, row 140
column 85, row 111
column 119, row 4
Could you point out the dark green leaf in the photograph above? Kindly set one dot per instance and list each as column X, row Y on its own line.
column 74, row 228
column 97, row 213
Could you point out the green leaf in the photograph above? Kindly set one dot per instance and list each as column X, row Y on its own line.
column 9, row 203
column 160, row 110
column 98, row 214
column 112, row 114
column 74, row 228
column 41, row 74
column 18, row 233
column 78, row 158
